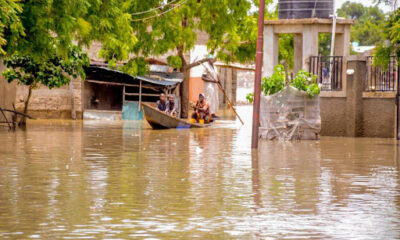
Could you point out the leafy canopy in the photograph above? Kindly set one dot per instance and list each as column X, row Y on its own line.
column 10, row 23
column 303, row 81
column 46, row 28
column 392, row 43
column 54, row 72
column 369, row 22
column 230, row 26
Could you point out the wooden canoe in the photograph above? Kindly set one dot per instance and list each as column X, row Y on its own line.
column 161, row 120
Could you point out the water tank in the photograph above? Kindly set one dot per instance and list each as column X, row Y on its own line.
column 295, row 9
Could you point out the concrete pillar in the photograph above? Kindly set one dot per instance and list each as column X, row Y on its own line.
column 271, row 50
column 234, row 86
column 221, row 74
column 354, row 100
column 310, row 44
column 7, row 93
column 342, row 48
column 298, row 52
column 342, row 41
column 228, row 83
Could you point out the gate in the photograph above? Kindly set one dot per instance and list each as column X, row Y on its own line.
column 381, row 79
column 329, row 70
column 385, row 79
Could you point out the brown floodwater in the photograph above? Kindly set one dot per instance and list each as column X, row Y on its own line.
column 116, row 180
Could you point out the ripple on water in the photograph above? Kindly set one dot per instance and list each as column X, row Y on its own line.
column 94, row 180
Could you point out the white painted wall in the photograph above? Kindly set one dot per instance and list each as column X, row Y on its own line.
column 197, row 53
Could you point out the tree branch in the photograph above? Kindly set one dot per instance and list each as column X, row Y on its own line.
column 181, row 55
column 198, row 62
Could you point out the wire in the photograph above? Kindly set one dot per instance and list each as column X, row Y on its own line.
column 160, row 14
column 153, row 9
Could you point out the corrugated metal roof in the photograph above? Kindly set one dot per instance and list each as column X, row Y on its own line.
column 102, row 73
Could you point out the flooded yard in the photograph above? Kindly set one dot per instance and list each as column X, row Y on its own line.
column 115, row 180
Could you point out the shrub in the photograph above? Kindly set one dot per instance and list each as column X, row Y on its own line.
column 303, row 81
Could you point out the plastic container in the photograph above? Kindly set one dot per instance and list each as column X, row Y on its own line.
column 298, row 9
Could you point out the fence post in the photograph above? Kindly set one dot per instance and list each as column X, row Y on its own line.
column 354, row 101
column 398, row 105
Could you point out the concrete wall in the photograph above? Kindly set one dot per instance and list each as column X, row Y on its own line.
column 333, row 116
column 44, row 103
column 228, row 78
column 54, row 103
column 358, row 113
column 379, row 116
column 7, row 93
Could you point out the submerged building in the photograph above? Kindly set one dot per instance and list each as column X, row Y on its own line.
column 105, row 94
column 112, row 94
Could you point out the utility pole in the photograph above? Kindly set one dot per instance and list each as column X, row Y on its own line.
column 257, row 79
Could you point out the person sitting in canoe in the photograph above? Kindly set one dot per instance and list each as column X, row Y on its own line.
column 162, row 103
column 171, row 106
column 201, row 110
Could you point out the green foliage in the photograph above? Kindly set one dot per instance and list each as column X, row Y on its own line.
column 230, row 26
column 274, row 83
column 369, row 22
column 135, row 66
column 392, row 43
column 250, row 97
column 45, row 29
column 382, row 55
column 303, row 81
column 174, row 61
column 10, row 23
column 324, row 44
column 54, row 72
column 286, row 49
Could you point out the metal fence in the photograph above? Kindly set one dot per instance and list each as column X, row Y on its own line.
column 329, row 70
column 381, row 79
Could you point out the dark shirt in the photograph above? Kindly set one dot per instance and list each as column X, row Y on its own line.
column 162, row 106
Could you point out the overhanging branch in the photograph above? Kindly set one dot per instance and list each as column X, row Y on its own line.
column 198, row 62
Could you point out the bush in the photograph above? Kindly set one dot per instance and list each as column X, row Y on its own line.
column 303, row 81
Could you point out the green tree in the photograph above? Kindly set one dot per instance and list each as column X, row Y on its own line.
column 391, row 45
column 50, row 28
column 230, row 25
column 54, row 72
column 10, row 22
column 369, row 22
column 40, row 38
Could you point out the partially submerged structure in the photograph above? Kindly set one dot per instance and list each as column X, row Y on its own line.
column 119, row 95
column 357, row 98
column 290, row 115
column 105, row 94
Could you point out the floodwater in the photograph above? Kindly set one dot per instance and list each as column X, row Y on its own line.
column 113, row 180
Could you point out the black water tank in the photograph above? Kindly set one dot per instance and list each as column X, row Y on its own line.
column 295, row 9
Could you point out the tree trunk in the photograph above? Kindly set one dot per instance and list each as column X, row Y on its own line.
column 71, row 91
column 23, row 119
column 184, row 92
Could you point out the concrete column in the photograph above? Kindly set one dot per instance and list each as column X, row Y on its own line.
column 234, row 86
column 310, row 44
column 354, row 100
column 228, row 83
column 7, row 93
column 342, row 48
column 298, row 52
column 271, row 49
column 220, row 95
column 342, row 41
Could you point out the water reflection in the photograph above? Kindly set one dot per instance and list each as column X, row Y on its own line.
column 95, row 180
